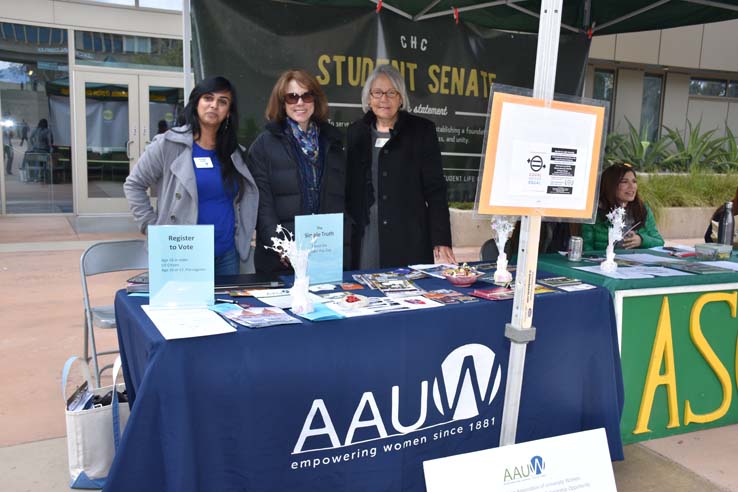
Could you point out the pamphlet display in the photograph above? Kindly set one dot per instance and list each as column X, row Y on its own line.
column 326, row 257
column 181, row 266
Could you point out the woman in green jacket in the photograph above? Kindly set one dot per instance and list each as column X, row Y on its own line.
column 619, row 188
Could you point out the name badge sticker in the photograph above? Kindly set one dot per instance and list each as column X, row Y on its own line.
column 203, row 162
column 381, row 141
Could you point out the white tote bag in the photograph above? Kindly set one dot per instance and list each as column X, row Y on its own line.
column 93, row 434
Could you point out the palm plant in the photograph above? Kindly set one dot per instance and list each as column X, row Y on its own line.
column 698, row 152
column 727, row 162
column 635, row 148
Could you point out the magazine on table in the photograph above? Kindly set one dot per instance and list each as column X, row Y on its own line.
column 567, row 284
column 254, row 317
column 503, row 293
column 435, row 270
column 448, row 296
column 700, row 267
column 376, row 305
column 391, row 284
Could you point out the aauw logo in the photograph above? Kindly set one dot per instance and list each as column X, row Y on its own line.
column 536, row 467
column 469, row 378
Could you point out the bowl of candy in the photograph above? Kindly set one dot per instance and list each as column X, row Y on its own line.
column 462, row 276
column 354, row 301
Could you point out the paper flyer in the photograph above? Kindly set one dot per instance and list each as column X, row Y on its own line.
column 325, row 232
column 181, row 266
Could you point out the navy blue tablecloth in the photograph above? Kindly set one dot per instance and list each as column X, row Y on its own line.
column 356, row 404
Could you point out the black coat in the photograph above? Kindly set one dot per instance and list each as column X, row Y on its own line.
column 274, row 164
column 413, row 208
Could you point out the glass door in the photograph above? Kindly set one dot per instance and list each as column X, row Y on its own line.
column 162, row 102
column 107, row 122
column 118, row 115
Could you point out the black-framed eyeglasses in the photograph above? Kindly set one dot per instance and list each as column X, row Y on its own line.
column 378, row 93
column 293, row 97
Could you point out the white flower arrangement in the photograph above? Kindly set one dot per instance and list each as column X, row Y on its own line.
column 614, row 234
column 285, row 245
column 617, row 224
column 502, row 228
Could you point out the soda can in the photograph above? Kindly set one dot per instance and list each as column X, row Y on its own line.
column 575, row 248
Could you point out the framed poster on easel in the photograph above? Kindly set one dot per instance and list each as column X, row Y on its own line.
column 541, row 158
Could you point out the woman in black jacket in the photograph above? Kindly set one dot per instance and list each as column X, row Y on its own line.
column 298, row 163
column 396, row 190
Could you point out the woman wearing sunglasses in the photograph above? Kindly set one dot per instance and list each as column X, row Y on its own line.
column 396, row 190
column 298, row 163
column 199, row 176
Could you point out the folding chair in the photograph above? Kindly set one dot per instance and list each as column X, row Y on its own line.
column 106, row 257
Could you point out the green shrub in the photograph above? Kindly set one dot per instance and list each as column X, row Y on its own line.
column 686, row 190
column 461, row 205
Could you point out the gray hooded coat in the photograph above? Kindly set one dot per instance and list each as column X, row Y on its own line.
column 166, row 166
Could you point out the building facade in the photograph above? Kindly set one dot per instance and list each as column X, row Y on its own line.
column 668, row 78
column 84, row 86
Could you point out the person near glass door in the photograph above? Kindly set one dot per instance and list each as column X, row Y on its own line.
column 200, row 177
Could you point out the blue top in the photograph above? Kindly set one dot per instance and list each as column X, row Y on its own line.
column 215, row 203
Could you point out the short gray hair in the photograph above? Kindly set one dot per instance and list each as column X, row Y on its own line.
column 394, row 77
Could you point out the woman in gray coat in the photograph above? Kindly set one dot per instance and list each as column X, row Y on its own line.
column 200, row 177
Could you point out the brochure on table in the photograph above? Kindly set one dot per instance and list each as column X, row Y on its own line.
column 325, row 263
column 579, row 461
column 541, row 158
column 181, row 266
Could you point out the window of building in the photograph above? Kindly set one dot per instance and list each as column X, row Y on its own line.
column 36, row 137
column 604, row 88
column 733, row 88
column 124, row 51
column 651, row 106
column 707, row 87
column 604, row 85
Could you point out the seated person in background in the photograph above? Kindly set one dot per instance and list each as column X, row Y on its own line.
column 619, row 188
column 711, row 234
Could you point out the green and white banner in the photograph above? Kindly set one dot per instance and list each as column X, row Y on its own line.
column 448, row 67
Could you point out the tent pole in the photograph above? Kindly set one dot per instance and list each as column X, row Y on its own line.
column 533, row 14
column 186, row 49
column 394, row 9
column 709, row 3
column 632, row 14
column 478, row 6
column 520, row 330
column 425, row 9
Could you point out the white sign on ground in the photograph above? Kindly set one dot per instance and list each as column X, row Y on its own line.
column 577, row 462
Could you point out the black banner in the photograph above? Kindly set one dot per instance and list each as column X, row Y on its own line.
column 448, row 68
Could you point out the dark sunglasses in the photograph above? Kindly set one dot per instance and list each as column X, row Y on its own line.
column 293, row 97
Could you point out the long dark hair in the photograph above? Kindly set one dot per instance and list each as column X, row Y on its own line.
column 608, row 186
column 225, row 139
